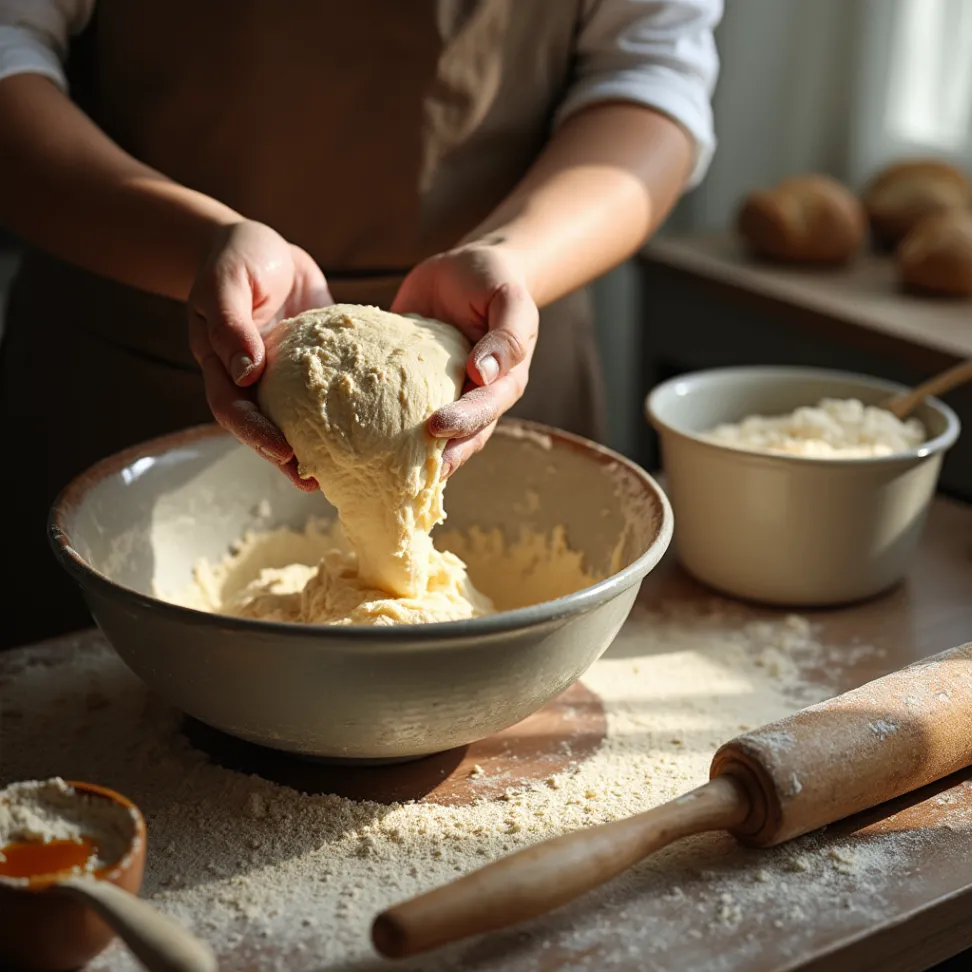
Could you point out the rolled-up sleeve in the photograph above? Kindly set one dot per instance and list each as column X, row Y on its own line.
column 34, row 35
column 657, row 53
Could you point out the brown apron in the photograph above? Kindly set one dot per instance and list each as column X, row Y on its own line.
column 373, row 134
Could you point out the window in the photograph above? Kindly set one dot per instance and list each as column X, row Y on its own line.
column 929, row 100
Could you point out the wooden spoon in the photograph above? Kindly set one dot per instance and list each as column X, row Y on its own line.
column 904, row 404
column 157, row 941
column 58, row 920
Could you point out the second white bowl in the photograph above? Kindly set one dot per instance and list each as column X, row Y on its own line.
column 785, row 529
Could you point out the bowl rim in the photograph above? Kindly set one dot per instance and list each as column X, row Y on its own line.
column 73, row 494
column 939, row 444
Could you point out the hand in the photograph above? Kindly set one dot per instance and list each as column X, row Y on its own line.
column 251, row 280
column 480, row 289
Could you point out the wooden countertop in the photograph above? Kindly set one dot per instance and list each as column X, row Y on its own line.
column 925, row 917
column 912, row 917
column 864, row 296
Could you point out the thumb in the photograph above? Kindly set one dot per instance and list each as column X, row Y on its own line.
column 512, row 318
column 412, row 296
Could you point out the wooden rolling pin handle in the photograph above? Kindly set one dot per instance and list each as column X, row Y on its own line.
column 544, row 877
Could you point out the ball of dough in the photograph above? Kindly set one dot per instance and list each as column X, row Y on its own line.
column 352, row 388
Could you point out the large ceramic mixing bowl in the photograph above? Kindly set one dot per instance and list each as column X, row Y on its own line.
column 139, row 522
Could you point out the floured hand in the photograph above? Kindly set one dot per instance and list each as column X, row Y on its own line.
column 252, row 279
column 481, row 290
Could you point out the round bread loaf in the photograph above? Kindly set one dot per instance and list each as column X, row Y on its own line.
column 902, row 195
column 804, row 219
column 936, row 256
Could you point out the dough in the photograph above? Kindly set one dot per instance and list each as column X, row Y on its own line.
column 351, row 388
column 278, row 575
column 333, row 593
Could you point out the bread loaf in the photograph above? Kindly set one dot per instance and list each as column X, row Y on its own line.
column 936, row 256
column 902, row 195
column 804, row 219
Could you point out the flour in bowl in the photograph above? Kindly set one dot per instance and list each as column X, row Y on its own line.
column 51, row 811
column 833, row 429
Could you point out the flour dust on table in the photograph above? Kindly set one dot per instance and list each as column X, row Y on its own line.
column 276, row 879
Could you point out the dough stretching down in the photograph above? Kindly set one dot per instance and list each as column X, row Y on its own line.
column 352, row 389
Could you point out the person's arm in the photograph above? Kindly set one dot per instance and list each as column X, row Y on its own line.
column 602, row 185
column 71, row 191
column 634, row 130
column 605, row 180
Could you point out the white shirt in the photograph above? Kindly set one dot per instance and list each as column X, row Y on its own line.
column 658, row 53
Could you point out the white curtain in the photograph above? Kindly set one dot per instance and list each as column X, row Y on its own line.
column 835, row 86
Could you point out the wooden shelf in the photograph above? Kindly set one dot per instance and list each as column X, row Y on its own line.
column 864, row 296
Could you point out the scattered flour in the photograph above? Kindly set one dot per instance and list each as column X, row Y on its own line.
column 276, row 879
column 882, row 728
column 42, row 811
column 833, row 429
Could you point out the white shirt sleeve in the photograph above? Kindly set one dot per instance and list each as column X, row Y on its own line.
column 658, row 53
column 34, row 35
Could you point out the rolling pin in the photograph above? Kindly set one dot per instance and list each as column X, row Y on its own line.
column 819, row 765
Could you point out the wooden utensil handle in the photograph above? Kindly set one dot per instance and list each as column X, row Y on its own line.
column 902, row 405
column 544, row 877
column 157, row 941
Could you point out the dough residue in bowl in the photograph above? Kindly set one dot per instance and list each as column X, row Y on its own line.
column 287, row 575
column 833, row 429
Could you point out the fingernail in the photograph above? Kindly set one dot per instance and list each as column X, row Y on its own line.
column 447, row 469
column 240, row 366
column 268, row 455
column 488, row 368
